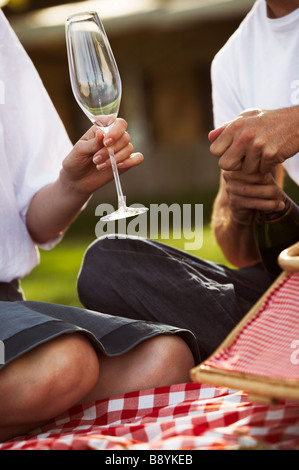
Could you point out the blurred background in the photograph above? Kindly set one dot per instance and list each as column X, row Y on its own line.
column 164, row 50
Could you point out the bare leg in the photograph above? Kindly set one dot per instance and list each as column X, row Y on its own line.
column 57, row 375
column 163, row 360
column 45, row 382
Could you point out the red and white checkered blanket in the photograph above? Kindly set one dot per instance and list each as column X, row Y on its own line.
column 186, row 416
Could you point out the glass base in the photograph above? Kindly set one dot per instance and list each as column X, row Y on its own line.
column 124, row 212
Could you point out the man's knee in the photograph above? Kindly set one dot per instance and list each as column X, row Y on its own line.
column 98, row 259
column 114, row 248
column 101, row 270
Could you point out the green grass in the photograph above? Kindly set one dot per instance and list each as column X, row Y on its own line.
column 54, row 280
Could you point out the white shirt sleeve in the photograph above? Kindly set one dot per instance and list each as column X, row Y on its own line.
column 225, row 98
column 35, row 139
column 33, row 143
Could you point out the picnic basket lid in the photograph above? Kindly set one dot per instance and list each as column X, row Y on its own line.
column 261, row 355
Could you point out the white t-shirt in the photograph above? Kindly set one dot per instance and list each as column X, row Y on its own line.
column 258, row 67
column 33, row 143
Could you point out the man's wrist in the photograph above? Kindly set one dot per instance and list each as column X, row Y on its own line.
column 244, row 220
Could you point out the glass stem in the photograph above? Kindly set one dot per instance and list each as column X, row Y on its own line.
column 120, row 196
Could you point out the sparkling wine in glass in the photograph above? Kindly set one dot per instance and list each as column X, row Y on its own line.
column 96, row 85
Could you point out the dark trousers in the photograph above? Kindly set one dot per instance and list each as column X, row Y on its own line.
column 143, row 279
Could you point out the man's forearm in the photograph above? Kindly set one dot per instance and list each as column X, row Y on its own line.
column 235, row 239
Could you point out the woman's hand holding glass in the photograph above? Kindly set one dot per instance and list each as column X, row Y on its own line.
column 88, row 166
column 97, row 88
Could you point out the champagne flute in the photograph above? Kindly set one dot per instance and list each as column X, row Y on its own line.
column 96, row 85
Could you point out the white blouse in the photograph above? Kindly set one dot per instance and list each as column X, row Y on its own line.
column 33, row 143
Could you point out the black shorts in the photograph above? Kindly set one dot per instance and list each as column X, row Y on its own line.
column 27, row 324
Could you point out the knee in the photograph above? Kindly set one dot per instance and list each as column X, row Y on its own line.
column 44, row 383
column 54, row 376
column 102, row 250
column 91, row 282
column 101, row 270
column 172, row 360
column 109, row 251
column 73, row 370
